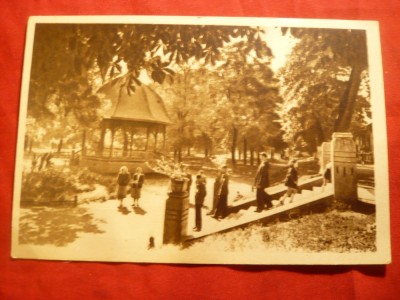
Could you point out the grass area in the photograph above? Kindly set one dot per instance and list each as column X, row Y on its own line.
column 333, row 231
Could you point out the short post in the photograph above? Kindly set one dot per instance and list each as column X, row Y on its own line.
column 176, row 212
column 344, row 167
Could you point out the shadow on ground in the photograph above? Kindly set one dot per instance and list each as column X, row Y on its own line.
column 139, row 211
column 55, row 226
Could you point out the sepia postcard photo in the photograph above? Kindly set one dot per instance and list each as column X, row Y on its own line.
column 202, row 140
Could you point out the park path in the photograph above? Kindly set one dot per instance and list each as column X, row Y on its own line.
column 123, row 233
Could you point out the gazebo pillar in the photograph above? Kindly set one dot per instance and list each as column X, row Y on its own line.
column 112, row 141
column 155, row 140
column 131, row 134
column 164, row 133
column 125, row 149
column 147, row 137
column 100, row 147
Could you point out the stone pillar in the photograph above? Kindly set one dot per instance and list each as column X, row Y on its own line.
column 176, row 212
column 344, row 167
column 325, row 157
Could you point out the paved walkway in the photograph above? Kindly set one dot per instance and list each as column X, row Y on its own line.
column 122, row 233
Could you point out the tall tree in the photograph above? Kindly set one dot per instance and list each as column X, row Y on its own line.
column 345, row 48
column 321, row 85
column 251, row 95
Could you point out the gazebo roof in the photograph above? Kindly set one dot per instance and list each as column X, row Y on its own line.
column 143, row 105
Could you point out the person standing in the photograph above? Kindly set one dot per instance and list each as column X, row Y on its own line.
column 34, row 162
column 261, row 182
column 291, row 182
column 199, row 199
column 137, row 184
column 43, row 159
column 48, row 160
column 327, row 175
column 215, row 194
column 122, row 182
column 222, row 194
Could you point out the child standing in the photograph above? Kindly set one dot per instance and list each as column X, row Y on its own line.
column 291, row 182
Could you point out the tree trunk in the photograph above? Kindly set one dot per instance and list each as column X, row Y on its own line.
column 244, row 151
column 188, row 151
column 83, row 150
column 320, row 132
column 234, row 142
column 60, row 144
column 258, row 158
column 347, row 103
column 27, row 141
column 205, row 147
column 30, row 145
column 180, row 154
column 251, row 157
column 206, row 143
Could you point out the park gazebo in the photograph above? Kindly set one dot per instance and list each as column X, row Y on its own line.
column 129, row 131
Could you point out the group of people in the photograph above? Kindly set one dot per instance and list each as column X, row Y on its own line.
column 41, row 161
column 220, row 196
column 126, row 181
column 219, row 209
column 261, row 182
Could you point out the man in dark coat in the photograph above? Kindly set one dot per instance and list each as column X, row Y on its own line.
column 222, row 194
column 215, row 195
column 199, row 199
column 261, row 182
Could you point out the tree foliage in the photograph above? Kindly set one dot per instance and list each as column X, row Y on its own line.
column 70, row 60
column 217, row 107
column 324, row 85
column 251, row 92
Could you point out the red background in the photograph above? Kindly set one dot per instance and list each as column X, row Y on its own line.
column 28, row 279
